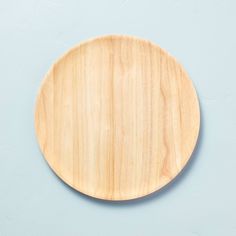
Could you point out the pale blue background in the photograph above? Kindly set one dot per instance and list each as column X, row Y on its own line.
column 201, row 34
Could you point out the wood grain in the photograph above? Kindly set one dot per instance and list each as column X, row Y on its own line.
column 117, row 117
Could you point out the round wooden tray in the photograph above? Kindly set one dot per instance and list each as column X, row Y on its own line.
column 117, row 117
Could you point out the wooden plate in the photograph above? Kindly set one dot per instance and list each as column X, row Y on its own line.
column 117, row 117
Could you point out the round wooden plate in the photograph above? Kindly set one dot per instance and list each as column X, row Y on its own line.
column 117, row 117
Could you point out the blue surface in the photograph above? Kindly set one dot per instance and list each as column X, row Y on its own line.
column 201, row 35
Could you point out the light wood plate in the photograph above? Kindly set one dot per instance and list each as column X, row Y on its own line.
column 117, row 117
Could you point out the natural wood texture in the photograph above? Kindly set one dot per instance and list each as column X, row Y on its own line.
column 117, row 117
